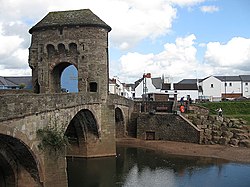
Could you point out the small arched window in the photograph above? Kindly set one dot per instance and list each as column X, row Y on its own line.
column 61, row 48
column 50, row 50
column 73, row 48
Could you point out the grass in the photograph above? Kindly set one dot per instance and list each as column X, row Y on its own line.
column 240, row 109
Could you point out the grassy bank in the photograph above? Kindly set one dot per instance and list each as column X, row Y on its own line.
column 230, row 109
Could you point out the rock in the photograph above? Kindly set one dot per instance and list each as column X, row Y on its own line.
column 197, row 121
column 244, row 143
column 243, row 122
column 236, row 131
column 224, row 128
column 216, row 133
column 227, row 134
column 224, row 141
column 226, row 120
column 207, row 132
column 240, row 136
column 216, row 139
column 234, row 141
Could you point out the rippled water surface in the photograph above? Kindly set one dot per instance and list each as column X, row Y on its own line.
column 134, row 167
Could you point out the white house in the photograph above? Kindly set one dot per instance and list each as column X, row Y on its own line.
column 119, row 88
column 152, row 85
column 211, row 88
column 245, row 85
column 215, row 88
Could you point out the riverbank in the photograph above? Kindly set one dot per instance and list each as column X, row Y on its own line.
column 235, row 154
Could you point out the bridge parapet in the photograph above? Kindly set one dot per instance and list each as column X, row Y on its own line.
column 116, row 99
column 19, row 105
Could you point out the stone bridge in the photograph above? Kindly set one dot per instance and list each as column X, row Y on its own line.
column 89, row 124
column 90, row 119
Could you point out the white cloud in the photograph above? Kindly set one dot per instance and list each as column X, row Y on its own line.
column 209, row 9
column 131, row 22
column 186, row 2
column 234, row 54
column 12, row 54
column 178, row 60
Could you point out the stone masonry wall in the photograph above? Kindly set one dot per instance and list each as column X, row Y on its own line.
column 221, row 130
column 167, row 127
column 14, row 106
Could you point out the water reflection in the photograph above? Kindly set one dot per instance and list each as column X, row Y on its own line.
column 144, row 168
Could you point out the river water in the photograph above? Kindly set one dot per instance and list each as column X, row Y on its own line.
column 134, row 167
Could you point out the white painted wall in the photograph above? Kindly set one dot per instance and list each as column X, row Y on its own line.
column 232, row 87
column 246, row 89
column 211, row 88
column 150, row 88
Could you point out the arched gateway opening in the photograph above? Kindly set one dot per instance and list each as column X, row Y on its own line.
column 69, row 73
column 18, row 166
column 119, row 123
column 82, row 129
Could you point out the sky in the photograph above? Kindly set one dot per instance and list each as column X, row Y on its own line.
column 178, row 39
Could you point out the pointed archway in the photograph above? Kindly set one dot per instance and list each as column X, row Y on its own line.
column 119, row 123
column 82, row 130
column 18, row 166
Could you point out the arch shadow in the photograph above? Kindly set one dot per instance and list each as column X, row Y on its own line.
column 119, row 123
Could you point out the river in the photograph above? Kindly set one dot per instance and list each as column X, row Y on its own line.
column 134, row 167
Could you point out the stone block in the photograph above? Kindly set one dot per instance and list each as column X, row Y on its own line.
column 216, row 133
column 223, row 141
column 234, row 141
column 216, row 139
column 244, row 143
column 227, row 134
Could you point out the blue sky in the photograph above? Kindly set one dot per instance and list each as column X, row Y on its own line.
column 175, row 38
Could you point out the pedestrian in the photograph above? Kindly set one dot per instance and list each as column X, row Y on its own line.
column 219, row 112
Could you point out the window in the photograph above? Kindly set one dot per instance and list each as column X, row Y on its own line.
column 225, row 84
column 230, row 84
column 93, row 87
column 246, row 89
column 50, row 50
column 212, row 85
column 246, row 83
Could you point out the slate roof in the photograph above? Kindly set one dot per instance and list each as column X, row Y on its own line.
column 178, row 86
column 189, row 81
column 82, row 17
column 16, row 81
column 166, row 86
column 245, row 78
column 228, row 78
column 157, row 82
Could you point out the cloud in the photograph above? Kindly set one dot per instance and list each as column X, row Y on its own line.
column 12, row 54
column 234, row 54
column 186, row 2
column 209, row 9
column 178, row 60
column 131, row 22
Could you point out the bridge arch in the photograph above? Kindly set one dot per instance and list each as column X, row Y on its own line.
column 119, row 123
column 18, row 163
column 83, row 129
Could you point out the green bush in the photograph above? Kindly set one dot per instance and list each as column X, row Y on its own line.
column 52, row 139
